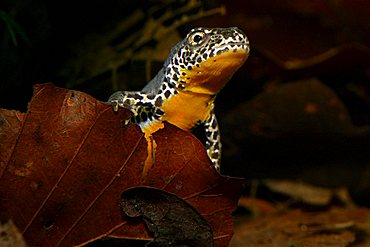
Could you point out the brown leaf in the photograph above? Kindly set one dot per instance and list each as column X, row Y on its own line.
column 307, row 193
column 335, row 227
column 65, row 163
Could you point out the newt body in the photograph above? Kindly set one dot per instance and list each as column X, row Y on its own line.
column 184, row 90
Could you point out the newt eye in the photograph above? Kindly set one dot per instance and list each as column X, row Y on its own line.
column 197, row 38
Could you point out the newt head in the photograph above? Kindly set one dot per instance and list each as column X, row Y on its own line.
column 206, row 59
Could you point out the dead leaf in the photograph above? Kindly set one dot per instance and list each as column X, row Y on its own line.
column 335, row 227
column 307, row 193
column 172, row 220
column 76, row 160
column 310, row 194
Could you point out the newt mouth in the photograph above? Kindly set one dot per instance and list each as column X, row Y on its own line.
column 234, row 47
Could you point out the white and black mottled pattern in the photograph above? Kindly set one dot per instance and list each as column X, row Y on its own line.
column 213, row 142
column 199, row 45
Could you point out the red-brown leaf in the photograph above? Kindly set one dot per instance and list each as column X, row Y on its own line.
column 65, row 163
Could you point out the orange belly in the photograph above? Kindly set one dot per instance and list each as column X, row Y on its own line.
column 187, row 108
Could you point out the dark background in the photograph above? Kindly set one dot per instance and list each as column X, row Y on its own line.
column 299, row 108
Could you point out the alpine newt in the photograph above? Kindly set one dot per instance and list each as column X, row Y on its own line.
column 184, row 90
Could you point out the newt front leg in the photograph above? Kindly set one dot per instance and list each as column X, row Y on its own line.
column 145, row 114
column 142, row 105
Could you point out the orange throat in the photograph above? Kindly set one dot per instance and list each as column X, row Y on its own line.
column 212, row 75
